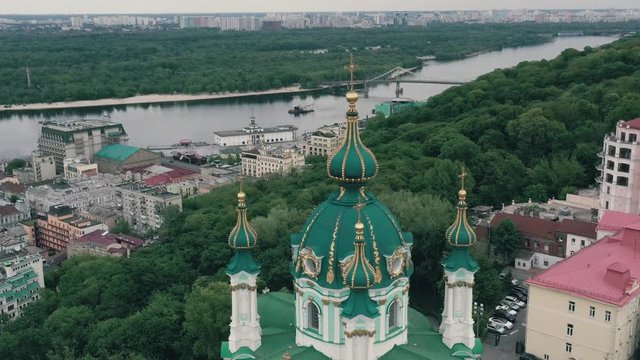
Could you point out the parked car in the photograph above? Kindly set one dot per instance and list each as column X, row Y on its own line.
column 495, row 328
column 506, row 323
column 508, row 310
column 527, row 356
column 520, row 295
column 519, row 291
column 515, row 282
column 521, row 287
column 504, row 315
column 510, row 304
column 516, row 301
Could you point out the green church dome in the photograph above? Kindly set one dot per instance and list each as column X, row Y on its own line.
column 326, row 247
column 460, row 233
column 352, row 162
column 243, row 236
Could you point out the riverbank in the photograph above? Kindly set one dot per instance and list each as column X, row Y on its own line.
column 149, row 99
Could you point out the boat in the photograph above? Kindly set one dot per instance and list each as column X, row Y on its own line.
column 297, row 109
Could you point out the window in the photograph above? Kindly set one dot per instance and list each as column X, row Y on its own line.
column 609, row 178
column 610, row 165
column 572, row 306
column 573, row 240
column 611, row 151
column 570, row 329
column 546, row 357
column 623, row 136
column 607, row 316
column 546, row 263
column 632, row 137
column 625, row 153
column 608, row 189
column 623, row 167
column 623, row 181
column 581, row 242
column 393, row 315
column 592, row 311
column 606, row 205
column 314, row 317
column 568, row 347
column 572, row 252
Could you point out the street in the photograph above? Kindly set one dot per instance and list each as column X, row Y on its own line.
column 506, row 349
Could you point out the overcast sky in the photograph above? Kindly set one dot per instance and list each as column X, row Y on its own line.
column 214, row 6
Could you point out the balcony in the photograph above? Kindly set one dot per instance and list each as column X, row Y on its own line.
column 599, row 179
column 599, row 167
column 601, row 154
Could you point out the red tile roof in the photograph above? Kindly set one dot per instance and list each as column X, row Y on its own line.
column 586, row 229
column 634, row 124
column 8, row 210
column 13, row 188
column 540, row 228
column 546, row 229
column 606, row 271
column 616, row 220
column 105, row 239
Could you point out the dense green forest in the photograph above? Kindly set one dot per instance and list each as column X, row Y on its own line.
column 82, row 66
column 529, row 131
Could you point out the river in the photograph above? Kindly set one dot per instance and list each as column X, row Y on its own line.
column 161, row 124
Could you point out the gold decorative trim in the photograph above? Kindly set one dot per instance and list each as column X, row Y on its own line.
column 243, row 287
column 330, row 274
column 460, row 284
column 382, row 301
column 359, row 333
column 325, row 302
column 376, row 253
column 363, row 193
column 399, row 254
column 307, row 255
column 342, row 191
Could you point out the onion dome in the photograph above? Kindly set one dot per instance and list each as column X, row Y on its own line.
column 352, row 162
column 460, row 233
column 460, row 236
column 243, row 236
column 242, row 239
column 358, row 273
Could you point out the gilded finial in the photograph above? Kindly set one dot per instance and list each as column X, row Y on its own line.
column 352, row 69
column 241, row 195
column 462, row 194
column 359, row 206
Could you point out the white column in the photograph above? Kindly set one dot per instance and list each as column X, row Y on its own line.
column 325, row 320
column 469, row 306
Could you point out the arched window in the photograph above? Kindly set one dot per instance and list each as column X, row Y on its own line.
column 313, row 316
column 394, row 315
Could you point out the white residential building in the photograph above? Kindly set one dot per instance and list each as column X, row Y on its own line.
column 269, row 160
column 21, row 277
column 142, row 206
column 323, row 141
column 44, row 167
column 254, row 134
column 619, row 171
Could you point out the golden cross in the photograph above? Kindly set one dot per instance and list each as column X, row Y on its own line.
column 352, row 68
column 241, row 179
column 359, row 206
column 462, row 176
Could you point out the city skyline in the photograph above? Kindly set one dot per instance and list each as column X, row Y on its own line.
column 245, row 6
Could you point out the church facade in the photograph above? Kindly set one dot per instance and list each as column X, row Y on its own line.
column 351, row 265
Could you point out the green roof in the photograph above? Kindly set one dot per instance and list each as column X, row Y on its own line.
column 242, row 260
column 460, row 233
column 242, row 236
column 359, row 303
column 330, row 232
column 460, row 259
column 277, row 320
column 117, row 152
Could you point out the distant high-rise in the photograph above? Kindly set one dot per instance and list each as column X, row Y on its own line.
column 619, row 173
column 69, row 139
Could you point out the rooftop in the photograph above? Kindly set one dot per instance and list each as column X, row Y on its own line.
column 277, row 312
column 8, row 210
column 117, row 152
column 546, row 229
column 607, row 271
column 616, row 220
column 275, row 129
column 77, row 125
column 12, row 188
column 106, row 239
column 633, row 124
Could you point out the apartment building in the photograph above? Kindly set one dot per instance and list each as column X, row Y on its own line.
column 21, row 277
column 270, row 160
column 72, row 138
column 44, row 167
column 619, row 171
column 78, row 193
column 143, row 206
column 323, row 141
column 11, row 215
column 78, row 168
column 103, row 243
column 62, row 226
column 586, row 307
